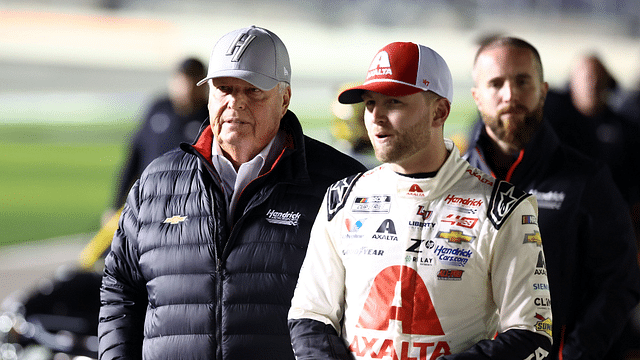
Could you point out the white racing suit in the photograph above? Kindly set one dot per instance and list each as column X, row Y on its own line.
column 419, row 268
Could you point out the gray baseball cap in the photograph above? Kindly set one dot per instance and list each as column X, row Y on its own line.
column 253, row 54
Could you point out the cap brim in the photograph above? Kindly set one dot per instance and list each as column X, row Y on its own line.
column 260, row 81
column 390, row 88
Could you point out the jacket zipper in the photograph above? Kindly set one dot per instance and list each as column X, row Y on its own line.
column 218, row 256
column 217, row 301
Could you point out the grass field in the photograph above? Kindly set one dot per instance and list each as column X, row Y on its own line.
column 57, row 179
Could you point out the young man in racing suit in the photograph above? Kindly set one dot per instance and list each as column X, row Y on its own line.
column 586, row 230
column 425, row 256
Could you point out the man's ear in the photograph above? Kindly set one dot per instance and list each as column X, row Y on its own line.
column 286, row 99
column 545, row 89
column 442, row 110
column 474, row 93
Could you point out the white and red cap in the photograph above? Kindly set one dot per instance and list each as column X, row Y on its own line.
column 404, row 68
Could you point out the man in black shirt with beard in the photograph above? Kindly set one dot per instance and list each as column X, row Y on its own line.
column 588, row 238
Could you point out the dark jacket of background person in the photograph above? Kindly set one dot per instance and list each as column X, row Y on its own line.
column 588, row 240
column 606, row 136
column 162, row 130
column 202, row 289
column 170, row 120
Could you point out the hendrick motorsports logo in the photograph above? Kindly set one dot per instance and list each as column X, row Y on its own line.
column 549, row 200
column 283, row 218
column 452, row 256
column 460, row 201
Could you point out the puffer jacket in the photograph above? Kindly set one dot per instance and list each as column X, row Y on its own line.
column 179, row 283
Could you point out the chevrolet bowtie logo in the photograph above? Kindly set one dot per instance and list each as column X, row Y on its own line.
column 455, row 236
column 174, row 219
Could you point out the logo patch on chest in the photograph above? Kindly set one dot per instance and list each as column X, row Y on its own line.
column 283, row 218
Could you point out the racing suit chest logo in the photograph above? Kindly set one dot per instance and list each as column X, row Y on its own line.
column 379, row 309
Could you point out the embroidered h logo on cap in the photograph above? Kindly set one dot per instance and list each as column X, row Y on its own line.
column 252, row 54
column 240, row 43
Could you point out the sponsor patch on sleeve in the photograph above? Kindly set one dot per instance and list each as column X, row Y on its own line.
column 338, row 193
column 504, row 199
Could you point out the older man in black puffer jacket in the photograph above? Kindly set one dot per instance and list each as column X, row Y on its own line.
column 212, row 236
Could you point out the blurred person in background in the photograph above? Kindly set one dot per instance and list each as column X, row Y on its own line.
column 172, row 119
column 212, row 236
column 586, row 230
column 582, row 118
column 347, row 127
column 627, row 103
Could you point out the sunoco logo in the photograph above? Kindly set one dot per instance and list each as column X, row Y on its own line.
column 454, row 200
column 544, row 324
column 283, row 218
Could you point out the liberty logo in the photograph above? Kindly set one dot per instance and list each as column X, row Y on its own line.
column 396, row 294
column 241, row 42
column 426, row 214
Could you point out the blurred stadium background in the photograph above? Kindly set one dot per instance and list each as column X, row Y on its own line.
column 78, row 74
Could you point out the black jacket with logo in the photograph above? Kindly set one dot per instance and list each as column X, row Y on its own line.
column 588, row 239
column 181, row 284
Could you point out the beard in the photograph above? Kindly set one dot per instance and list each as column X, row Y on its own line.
column 405, row 144
column 517, row 132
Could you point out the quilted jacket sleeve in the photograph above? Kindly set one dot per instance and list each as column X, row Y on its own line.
column 123, row 295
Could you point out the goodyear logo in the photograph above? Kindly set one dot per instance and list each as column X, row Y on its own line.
column 455, row 236
column 534, row 238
